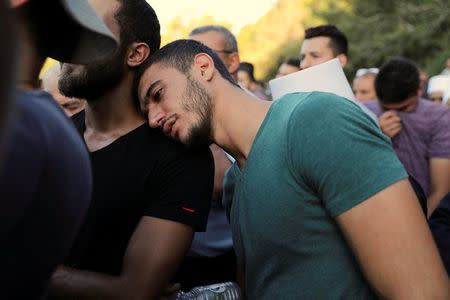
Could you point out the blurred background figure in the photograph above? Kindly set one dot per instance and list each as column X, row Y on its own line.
column 419, row 129
column 290, row 65
column 247, row 80
column 446, row 71
column 7, row 69
column 363, row 84
column 45, row 179
column 321, row 44
column 439, row 88
column 49, row 84
column 221, row 41
column 423, row 83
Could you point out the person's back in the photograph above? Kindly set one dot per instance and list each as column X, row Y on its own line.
column 45, row 179
column 47, row 173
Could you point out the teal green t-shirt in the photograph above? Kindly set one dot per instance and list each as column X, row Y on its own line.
column 315, row 156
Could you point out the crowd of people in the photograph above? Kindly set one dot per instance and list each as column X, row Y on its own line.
column 130, row 171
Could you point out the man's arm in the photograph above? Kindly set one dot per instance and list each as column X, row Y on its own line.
column 391, row 240
column 439, row 182
column 152, row 256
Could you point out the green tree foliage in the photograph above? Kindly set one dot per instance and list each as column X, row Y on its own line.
column 379, row 29
column 278, row 34
column 262, row 43
column 179, row 29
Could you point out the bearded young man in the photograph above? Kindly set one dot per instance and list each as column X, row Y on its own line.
column 149, row 193
column 301, row 169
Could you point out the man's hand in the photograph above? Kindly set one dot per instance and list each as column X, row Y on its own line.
column 390, row 123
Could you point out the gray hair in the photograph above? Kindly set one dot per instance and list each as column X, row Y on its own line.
column 230, row 39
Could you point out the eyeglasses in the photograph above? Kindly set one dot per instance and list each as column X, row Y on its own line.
column 364, row 71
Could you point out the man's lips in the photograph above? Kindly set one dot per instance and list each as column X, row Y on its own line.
column 167, row 126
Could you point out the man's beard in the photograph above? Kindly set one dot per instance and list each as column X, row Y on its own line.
column 92, row 81
column 197, row 100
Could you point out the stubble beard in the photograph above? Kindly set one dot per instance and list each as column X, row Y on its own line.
column 197, row 100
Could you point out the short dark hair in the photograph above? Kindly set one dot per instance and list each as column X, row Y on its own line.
column 180, row 55
column 338, row 40
column 397, row 80
column 228, row 38
column 249, row 68
column 138, row 23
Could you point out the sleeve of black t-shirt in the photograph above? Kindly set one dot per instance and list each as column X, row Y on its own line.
column 440, row 227
column 184, row 185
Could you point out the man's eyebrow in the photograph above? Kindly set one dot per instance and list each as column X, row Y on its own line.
column 149, row 91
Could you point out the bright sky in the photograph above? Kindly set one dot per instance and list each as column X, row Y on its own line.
column 236, row 12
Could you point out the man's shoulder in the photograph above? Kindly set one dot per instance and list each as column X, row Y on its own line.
column 373, row 106
column 318, row 104
column 152, row 145
column 38, row 113
column 433, row 110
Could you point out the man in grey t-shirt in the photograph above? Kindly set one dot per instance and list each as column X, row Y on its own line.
column 419, row 129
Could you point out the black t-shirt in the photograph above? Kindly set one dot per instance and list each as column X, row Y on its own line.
column 45, row 188
column 142, row 173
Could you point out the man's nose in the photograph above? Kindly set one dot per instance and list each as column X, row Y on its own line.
column 155, row 116
column 305, row 63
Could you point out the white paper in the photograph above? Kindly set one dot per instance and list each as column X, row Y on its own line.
column 326, row 77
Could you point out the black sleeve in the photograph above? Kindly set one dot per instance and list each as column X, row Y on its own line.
column 184, row 186
column 440, row 227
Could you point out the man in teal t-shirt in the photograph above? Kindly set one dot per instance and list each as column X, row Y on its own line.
column 308, row 164
column 322, row 208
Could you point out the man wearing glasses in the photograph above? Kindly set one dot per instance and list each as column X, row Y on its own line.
column 221, row 41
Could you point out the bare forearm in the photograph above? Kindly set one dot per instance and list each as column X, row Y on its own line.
column 68, row 283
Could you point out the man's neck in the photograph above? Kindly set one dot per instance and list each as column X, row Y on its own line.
column 237, row 119
column 111, row 116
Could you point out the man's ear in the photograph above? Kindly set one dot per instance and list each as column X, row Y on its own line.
column 233, row 62
column 137, row 54
column 204, row 65
column 342, row 59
